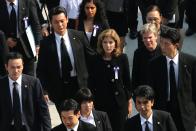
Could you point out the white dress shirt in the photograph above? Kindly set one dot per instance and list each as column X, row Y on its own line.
column 150, row 122
column 69, row 50
column 90, row 119
column 72, row 7
column 176, row 67
column 9, row 7
column 19, row 88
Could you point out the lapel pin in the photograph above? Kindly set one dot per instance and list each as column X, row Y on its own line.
column 158, row 123
column 74, row 38
column 25, row 86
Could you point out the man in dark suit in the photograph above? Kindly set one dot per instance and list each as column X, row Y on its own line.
column 148, row 119
column 70, row 113
column 62, row 59
column 22, row 105
column 16, row 15
column 3, row 52
column 173, row 77
column 99, row 119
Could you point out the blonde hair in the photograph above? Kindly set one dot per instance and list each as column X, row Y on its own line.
column 109, row 33
column 149, row 28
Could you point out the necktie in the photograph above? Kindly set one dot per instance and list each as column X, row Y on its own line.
column 172, row 82
column 147, row 128
column 16, row 108
column 13, row 21
column 66, row 66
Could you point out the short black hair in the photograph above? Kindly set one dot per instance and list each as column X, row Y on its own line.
column 153, row 8
column 13, row 55
column 171, row 34
column 144, row 91
column 83, row 94
column 57, row 10
column 69, row 104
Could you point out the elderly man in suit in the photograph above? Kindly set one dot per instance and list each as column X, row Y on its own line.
column 3, row 52
column 148, row 119
column 22, row 105
column 16, row 16
column 173, row 77
column 70, row 113
column 62, row 59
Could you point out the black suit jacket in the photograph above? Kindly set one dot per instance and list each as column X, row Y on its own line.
column 26, row 8
column 162, row 121
column 48, row 69
column 35, row 109
column 3, row 53
column 83, row 126
column 186, row 91
column 102, row 121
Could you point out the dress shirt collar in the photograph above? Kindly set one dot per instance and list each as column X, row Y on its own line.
column 58, row 37
column 75, row 128
column 15, row 3
column 89, row 119
column 143, row 120
column 175, row 59
column 19, row 81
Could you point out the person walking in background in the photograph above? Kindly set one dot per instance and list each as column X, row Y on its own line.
column 16, row 16
column 72, row 8
column 22, row 105
column 148, row 119
column 143, row 55
column 92, row 20
column 89, row 114
column 173, row 77
column 117, row 11
column 70, row 114
column 62, row 59
column 111, row 78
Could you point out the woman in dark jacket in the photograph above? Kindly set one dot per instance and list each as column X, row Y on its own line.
column 92, row 20
column 111, row 79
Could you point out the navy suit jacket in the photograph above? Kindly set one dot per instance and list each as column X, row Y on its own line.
column 162, row 121
column 35, row 110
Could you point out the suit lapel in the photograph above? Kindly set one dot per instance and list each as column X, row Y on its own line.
column 183, row 71
column 24, row 91
column 96, row 118
column 8, row 93
column 73, row 43
column 138, row 123
column 5, row 14
column 54, row 55
column 156, row 122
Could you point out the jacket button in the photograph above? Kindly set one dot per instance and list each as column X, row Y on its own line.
column 108, row 66
column 112, row 80
column 116, row 93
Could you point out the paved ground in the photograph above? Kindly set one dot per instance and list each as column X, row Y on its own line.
column 189, row 46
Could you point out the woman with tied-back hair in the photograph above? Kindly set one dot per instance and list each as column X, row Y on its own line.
column 92, row 20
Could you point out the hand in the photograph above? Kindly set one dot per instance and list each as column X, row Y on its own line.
column 130, row 107
column 44, row 31
column 37, row 50
column 46, row 97
column 11, row 42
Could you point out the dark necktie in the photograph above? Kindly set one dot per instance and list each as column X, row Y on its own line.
column 66, row 66
column 147, row 128
column 172, row 82
column 12, row 21
column 17, row 117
